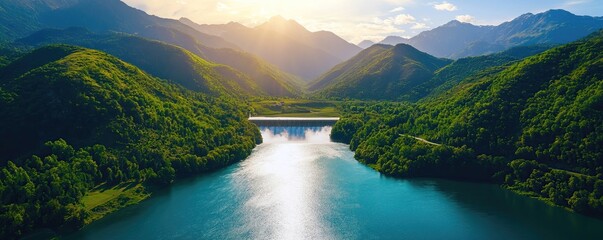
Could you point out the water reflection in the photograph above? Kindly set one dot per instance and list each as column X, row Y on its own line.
column 285, row 185
column 299, row 185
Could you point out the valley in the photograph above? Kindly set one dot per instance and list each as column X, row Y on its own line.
column 296, row 108
column 107, row 110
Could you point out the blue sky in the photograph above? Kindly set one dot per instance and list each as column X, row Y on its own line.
column 357, row 20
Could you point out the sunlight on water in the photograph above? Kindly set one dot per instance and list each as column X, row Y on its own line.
column 299, row 185
column 285, row 184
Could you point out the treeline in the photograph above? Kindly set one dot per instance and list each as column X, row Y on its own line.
column 547, row 109
column 72, row 119
column 582, row 193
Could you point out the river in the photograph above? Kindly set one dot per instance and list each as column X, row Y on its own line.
column 299, row 185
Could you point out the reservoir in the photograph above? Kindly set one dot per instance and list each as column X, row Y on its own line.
column 300, row 185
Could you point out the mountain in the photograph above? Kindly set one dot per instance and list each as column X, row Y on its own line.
column 456, row 39
column 90, row 119
column 18, row 18
column 366, row 44
column 454, row 73
column 378, row 72
column 97, row 15
column 178, row 65
column 287, row 44
column 441, row 79
column 113, row 15
column 162, row 60
column 215, row 29
column 270, row 78
column 533, row 125
column 394, row 40
column 323, row 40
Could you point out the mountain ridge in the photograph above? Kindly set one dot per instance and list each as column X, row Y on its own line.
column 286, row 44
column 550, row 27
column 380, row 72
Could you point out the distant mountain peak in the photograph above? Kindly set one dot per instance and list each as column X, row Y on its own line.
column 393, row 37
column 456, row 23
column 394, row 40
column 558, row 11
column 555, row 14
column 281, row 24
column 185, row 19
column 365, row 44
column 277, row 18
column 525, row 15
column 233, row 23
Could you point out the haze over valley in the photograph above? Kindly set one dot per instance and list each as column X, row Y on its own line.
column 291, row 120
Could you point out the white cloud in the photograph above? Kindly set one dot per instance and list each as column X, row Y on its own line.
column 575, row 2
column 445, row 6
column 353, row 20
column 465, row 18
column 222, row 7
column 370, row 31
column 404, row 19
column 398, row 9
column 419, row 26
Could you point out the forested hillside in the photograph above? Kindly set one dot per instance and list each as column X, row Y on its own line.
column 380, row 72
column 159, row 59
column 73, row 118
column 269, row 77
column 534, row 126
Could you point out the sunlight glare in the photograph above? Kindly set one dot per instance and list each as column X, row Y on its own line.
column 285, row 183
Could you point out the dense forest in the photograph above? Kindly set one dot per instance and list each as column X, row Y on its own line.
column 534, row 125
column 380, row 72
column 73, row 118
column 403, row 73
column 193, row 70
column 135, row 101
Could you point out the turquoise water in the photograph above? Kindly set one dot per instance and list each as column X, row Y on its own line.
column 299, row 185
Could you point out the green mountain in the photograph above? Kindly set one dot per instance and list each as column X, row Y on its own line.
column 18, row 18
column 534, row 126
column 91, row 119
column 270, row 78
column 178, row 65
column 115, row 16
column 452, row 74
column 378, row 72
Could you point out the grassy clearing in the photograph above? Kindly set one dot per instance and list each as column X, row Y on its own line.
column 103, row 200
column 295, row 108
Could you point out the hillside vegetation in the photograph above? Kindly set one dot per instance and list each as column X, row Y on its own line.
column 380, row 72
column 270, row 78
column 165, row 61
column 73, row 118
column 535, row 126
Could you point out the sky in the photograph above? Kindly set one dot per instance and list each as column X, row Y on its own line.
column 357, row 20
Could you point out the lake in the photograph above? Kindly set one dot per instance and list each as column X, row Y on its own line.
column 300, row 185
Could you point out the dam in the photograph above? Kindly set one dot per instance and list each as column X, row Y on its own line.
column 293, row 121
